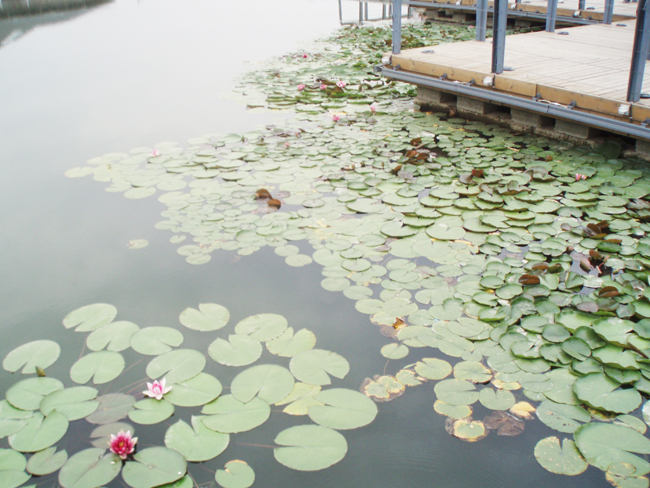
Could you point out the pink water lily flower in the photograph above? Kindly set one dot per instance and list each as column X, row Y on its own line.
column 336, row 118
column 341, row 84
column 373, row 107
column 122, row 444
column 580, row 177
column 155, row 152
column 157, row 389
column 304, row 56
column 323, row 86
column 301, row 87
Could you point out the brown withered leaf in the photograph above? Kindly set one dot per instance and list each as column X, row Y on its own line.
column 540, row 267
column 613, row 240
column 262, row 193
column 589, row 307
column 274, row 203
column 504, row 423
column 465, row 179
column 528, row 279
column 595, row 255
column 586, row 264
column 477, row 173
column 608, row 292
column 396, row 169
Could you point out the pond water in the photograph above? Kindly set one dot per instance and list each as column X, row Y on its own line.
column 131, row 74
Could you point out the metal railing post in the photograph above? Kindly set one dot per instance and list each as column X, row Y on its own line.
column 360, row 13
column 551, row 13
column 581, row 4
column 383, row 11
column 340, row 12
column 609, row 11
column 366, row 10
column 397, row 26
column 639, row 52
column 481, row 19
column 499, row 21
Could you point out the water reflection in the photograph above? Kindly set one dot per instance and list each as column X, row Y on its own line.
column 17, row 17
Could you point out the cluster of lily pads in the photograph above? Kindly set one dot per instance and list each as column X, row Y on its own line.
column 37, row 412
column 524, row 260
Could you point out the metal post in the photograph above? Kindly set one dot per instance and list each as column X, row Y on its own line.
column 366, row 10
column 581, row 4
column 360, row 12
column 499, row 21
column 397, row 26
column 609, row 11
column 639, row 52
column 383, row 11
column 551, row 13
column 481, row 19
column 340, row 12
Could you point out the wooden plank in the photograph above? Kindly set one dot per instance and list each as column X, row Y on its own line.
column 519, row 87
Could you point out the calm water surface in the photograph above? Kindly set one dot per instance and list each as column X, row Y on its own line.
column 134, row 73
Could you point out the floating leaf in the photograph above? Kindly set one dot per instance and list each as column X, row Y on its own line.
column 600, row 391
column 46, row 461
column 313, row 366
column 269, row 382
column 196, row 443
column 237, row 474
column 262, row 327
column 176, row 366
column 29, row 356
column 456, row 392
column 40, row 432
column 28, row 394
column 238, row 350
column 289, row 344
column 151, row 411
column 228, row 415
column 115, row 336
column 433, row 368
column 309, row 447
column 473, row 371
column 560, row 460
column 90, row 317
column 300, row 399
column 563, row 418
column 467, row 429
column 12, row 469
column 112, row 407
column 154, row 341
column 342, row 409
column 209, row 317
column 382, row 388
column 74, row 403
column 452, row 411
column 394, row 351
column 154, row 466
column 101, row 367
column 90, row 468
column 603, row 445
column 201, row 389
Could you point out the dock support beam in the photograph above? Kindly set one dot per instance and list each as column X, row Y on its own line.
column 397, row 26
column 481, row 19
column 609, row 12
column 499, row 21
column 639, row 52
column 551, row 13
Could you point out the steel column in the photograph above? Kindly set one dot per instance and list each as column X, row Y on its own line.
column 551, row 13
column 481, row 19
column 639, row 52
column 397, row 26
column 581, row 4
column 609, row 11
column 499, row 21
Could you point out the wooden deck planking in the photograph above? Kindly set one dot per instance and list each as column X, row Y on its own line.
column 589, row 65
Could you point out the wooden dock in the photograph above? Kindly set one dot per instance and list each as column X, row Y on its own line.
column 586, row 68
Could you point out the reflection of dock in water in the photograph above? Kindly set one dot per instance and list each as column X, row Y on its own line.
column 20, row 16
column 11, row 8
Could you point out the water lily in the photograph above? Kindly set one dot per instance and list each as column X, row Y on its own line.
column 373, row 107
column 323, row 86
column 336, row 118
column 341, row 84
column 580, row 177
column 304, row 56
column 155, row 152
column 122, row 444
column 301, row 87
column 157, row 389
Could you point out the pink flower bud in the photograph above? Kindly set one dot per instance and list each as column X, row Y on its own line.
column 301, row 87
column 323, row 86
column 304, row 56
column 341, row 84
column 336, row 118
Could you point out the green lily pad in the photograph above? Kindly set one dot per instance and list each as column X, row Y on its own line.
column 176, row 366
column 151, row 411
column 269, row 382
column 343, row 409
column 40, row 432
column 196, row 443
column 560, row 460
column 603, row 445
column 238, row 350
column 600, row 391
column 496, row 399
column 112, row 407
column 115, row 336
column 289, row 344
column 208, row 317
column 237, row 474
column 154, row 466
column 228, row 415
column 90, row 468
column 394, row 351
column 29, row 356
column 456, row 392
column 74, row 403
column 12, row 469
column 28, row 394
column 46, row 461
column 262, row 327
column 300, row 399
column 154, row 341
column 433, row 368
column 309, row 447
column 563, row 418
column 101, row 367
column 201, row 389
column 315, row 365
column 90, row 317
column 473, row 371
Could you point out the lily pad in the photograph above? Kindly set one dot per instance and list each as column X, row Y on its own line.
column 115, row 336
column 101, row 367
column 201, row 389
column 176, row 366
column 29, row 356
column 154, row 466
column 238, row 350
column 456, row 392
column 300, row 399
column 112, row 407
column 600, row 391
column 208, row 317
column 90, row 317
column 262, row 327
column 74, row 403
column 565, row 459
column 289, row 344
column 228, row 415
column 237, row 474
column 90, row 468
column 433, row 368
column 196, row 443
column 46, row 461
column 563, row 418
column 151, row 411
column 269, row 382
column 343, row 409
column 315, row 365
column 28, row 394
column 309, row 447
column 40, row 432
column 154, row 341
